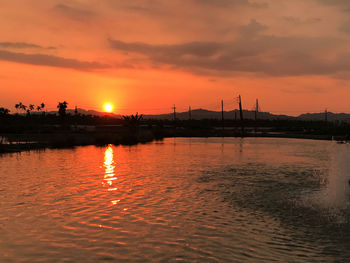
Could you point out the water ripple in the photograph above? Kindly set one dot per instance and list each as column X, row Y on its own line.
column 185, row 200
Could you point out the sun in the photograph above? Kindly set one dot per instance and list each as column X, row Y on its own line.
column 108, row 107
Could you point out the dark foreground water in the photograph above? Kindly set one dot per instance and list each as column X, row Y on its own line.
column 181, row 200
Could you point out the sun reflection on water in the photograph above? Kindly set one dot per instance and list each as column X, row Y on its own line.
column 109, row 165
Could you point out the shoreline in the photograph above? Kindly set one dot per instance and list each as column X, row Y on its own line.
column 66, row 141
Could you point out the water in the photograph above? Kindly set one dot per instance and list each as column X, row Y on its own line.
column 181, row 200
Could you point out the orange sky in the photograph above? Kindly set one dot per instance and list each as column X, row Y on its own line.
column 146, row 55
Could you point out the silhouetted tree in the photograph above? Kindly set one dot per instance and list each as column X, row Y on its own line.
column 30, row 109
column 4, row 112
column 17, row 106
column 21, row 107
column 62, row 108
column 41, row 108
column 133, row 120
column 42, row 105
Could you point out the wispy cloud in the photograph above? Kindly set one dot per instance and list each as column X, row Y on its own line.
column 23, row 45
column 343, row 4
column 300, row 21
column 74, row 13
column 49, row 60
column 252, row 52
column 230, row 3
column 306, row 90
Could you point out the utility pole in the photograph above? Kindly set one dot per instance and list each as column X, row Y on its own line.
column 174, row 108
column 256, row 115
column 234, row 109
column 189, row 113
column 241, row 113
column 222, row 110
column 76, row 114
column 222, row 114
column 240, row 107
column 326, row 116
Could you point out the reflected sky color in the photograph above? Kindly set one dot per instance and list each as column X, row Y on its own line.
column 195, row 199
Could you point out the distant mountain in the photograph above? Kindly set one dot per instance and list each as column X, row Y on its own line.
column 89, row 112
column 93, row 112
column 321, row 117
column 200, row 114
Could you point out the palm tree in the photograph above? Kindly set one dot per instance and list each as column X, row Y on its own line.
column 17, row 106
column 62, row 107
column 30, row 109
column 41, row 107
column 133, row 120
column 4, row 112
column 21, row 107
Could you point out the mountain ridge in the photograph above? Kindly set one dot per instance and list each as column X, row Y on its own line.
column 199, row 114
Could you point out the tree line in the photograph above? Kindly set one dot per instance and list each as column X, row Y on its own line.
column 28, row 109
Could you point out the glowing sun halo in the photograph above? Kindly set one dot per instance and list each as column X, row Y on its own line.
column 108, row 107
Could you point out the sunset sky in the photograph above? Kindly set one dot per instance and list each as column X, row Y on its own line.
column 146, row 55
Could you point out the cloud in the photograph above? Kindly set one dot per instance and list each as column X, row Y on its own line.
column 22, row 45
column 252, row 52
column 343, row 4
column 252, row 29
column 229, row 3
column 48, row 60
column 73, row 13
column 345, row 27
column 299, row 21
column 298, row 90
column 147, row 5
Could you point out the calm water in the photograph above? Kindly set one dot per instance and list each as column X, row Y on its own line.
column 181, row 200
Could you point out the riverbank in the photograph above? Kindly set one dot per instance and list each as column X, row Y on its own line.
column 39, row 141
column 39, row 132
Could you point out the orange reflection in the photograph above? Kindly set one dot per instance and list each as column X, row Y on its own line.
column 114, row 202
column 109, row 165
